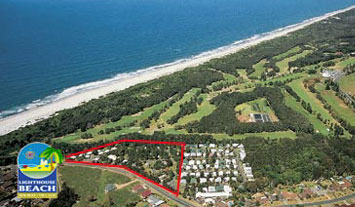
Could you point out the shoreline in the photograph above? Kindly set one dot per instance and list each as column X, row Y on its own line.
column 88, row 91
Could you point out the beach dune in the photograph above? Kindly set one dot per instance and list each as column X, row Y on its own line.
column 33, row 115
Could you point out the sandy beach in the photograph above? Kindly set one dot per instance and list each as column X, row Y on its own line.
column 30, row 116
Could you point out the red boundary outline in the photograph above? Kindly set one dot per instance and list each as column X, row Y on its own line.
column 181, row 144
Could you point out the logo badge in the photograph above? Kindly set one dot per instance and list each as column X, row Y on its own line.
column 37, row 171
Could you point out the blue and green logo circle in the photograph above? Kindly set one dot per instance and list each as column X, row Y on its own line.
column 38, row 160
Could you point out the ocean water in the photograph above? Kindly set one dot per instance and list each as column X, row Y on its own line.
column 50, row 49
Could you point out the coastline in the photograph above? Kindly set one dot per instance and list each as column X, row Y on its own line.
column 124, row 81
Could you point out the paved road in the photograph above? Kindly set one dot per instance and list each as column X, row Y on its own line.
column 168, row 195
column 338, row 75
column 326, row 202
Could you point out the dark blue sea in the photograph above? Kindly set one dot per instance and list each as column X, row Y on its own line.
column 49, row 46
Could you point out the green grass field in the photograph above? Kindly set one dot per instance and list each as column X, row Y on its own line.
column 257, row 106
column 254, row 107
column 89, row 183
column 287, row 53
column 347, row 84
column 271, row 135
column 310, row 98
column 317, row 124
column 339, row 107
column 259, row 68
column 283, row 64
column 174, row 109
column 123, row 196
column 344, row 63
column 204, row 109
column 123, row 122
column 228, row 78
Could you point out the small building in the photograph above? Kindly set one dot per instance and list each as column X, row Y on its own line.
column 306, row 194
column 110, row 187
column 112, row 157
column 288, row 196
column 154, row 201
column 138, row 188
column 146, row 193
column 211, row 189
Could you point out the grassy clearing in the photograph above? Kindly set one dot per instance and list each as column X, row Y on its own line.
column 123, row 122
column 204, row 109
column 317, row 124
column 123, row 196
column 259, row 68
column 271, row 135
column 173, row 110
column 254, row 107
column 283, row 65
column 243, row 73
column 347, row 84
column 257, row 106
column 289, row 52
column 339, row 107
column 310, row 98
column 228, row 78
column 344, row 63
column 90, row 183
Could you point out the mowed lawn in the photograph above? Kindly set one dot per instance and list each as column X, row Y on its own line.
column 228, row 78
column 256, row 106
column 339, row 107
column 283, row 64
column 271, row 135
column 344, row 63
column 310, row 98
column 287, row 53
column 90, row 183
column 347, row 84
column 175, row 108
column 317, row 124
column 259, row 68
column 204, row 109
column 123, row 122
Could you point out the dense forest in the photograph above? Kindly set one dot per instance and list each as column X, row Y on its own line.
column 223, row 119
column 308, row 157
column 328, row 36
